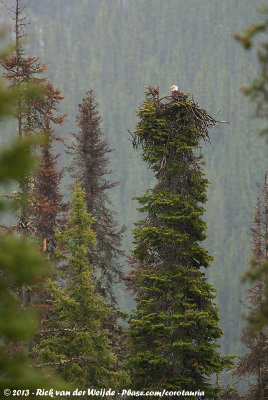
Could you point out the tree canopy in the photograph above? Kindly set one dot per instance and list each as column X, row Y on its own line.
column 174, row 328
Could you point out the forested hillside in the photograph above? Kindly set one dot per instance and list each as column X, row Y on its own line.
column 116, row 47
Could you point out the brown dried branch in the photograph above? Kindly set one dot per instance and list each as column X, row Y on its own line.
column 47, row 331
column 94, row 359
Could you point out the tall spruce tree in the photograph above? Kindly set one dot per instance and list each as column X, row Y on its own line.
column 90, row 163
column 74, row 343
column 174, row 328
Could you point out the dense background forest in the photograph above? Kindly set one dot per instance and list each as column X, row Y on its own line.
column 116, row 48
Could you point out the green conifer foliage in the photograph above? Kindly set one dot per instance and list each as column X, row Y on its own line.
column 74, row 342
column 174, row 327
column 20, row 264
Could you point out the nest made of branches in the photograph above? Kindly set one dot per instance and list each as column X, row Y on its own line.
column 195, row 114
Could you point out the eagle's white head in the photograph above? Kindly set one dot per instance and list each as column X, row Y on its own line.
column 174, row 88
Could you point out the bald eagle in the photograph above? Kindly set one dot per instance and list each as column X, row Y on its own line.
column 174, row 88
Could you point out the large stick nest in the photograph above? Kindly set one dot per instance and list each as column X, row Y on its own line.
column 195, row 114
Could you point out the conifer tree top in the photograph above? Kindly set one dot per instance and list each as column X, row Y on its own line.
column 90, row 162
column 169, row 122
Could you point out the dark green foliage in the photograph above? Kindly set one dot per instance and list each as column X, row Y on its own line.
column 74, row 343
column 21, row 264
column 174, row 329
